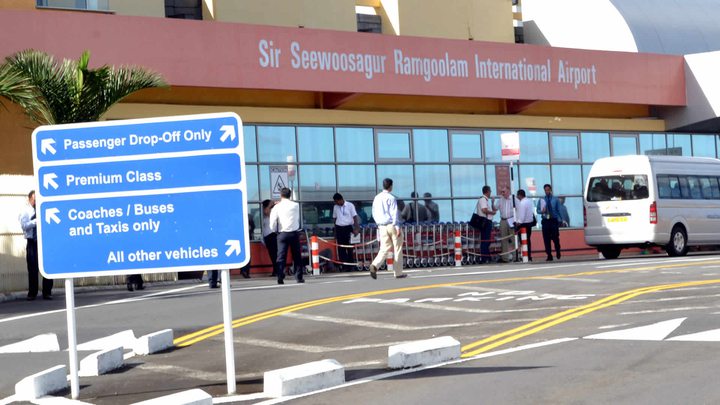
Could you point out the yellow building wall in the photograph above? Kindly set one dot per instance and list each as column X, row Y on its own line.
column 18, row 4
column 479, row 20
column 324, row 14
column 146, row 8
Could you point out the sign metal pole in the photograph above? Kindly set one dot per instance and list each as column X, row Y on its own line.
column 72, row 337
column 227, row 321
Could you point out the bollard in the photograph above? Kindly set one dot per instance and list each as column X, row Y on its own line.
column 458, row 249
column 523, row 238
column 389, row 261
column 315, row 253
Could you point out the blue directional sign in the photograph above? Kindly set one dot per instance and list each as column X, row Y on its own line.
column 141, row 196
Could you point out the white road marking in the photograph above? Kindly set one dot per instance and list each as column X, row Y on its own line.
column 655, row 332
column 402, row 302
column 706, row 336
column 380, row 325
column 614, row 326
column 584, row 280
column 689, row 297
column 656, row 311
column 337, row 282
column 192, row 373
column 310, row 348
column 47, row 342
column 659, row 261
column 474, row 273
column 418, row 369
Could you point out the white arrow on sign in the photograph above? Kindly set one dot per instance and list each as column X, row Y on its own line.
column 228, row 131
column 51, row 214
column 234, row 247
column 46, row 145
column 49, row 180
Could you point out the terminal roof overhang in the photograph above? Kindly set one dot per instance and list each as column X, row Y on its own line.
column 213, row 63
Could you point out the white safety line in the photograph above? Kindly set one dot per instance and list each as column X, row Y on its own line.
column 657, row 311
column 192, row 373
column 271, row 344
column 379, row 325
column 418, row 369
column 475, row 273
column 473, row 310
column 690, row 297
column 664, row 260
column 614, row 326
column 166, row 294
column 583, row 280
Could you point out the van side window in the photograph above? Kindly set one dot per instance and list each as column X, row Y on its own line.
column 663, row 184
column 674, row 187
column 709, row 187
column 694, row 188
column 618, row 188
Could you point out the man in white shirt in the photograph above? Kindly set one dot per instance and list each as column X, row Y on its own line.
column 28, row 223
column 385, row 213
column 525, row 217
column 285, row 221
column 485, row 210
column 346, row 222
column 507, row 223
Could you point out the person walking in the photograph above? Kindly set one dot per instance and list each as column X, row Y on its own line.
column 549, row 208
column 385, row 213
column 347, row 222
column 135, row 280
column 28, row 223
column 525, row 218
column 507, row 224
column 285, row 221
column 269, row 236
column 485, row 210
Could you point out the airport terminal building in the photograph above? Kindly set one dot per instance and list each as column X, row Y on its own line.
column 348, row 92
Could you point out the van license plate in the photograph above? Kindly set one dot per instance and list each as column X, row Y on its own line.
column 618, row 219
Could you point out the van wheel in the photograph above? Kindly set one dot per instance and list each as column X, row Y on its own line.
column 678, row 242
column 610, row 252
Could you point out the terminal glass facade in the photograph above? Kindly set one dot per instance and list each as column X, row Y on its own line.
column 451, row 165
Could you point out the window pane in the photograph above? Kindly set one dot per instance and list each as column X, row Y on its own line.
column 356, row 181
column 467, row 180
column 594, row 146
column 679, row 145
column 393, row 145
column 364, row 211
column 586, row 173
column 709, row 187
column 251, row 171
column 265, row 188
column 317, row 217
column 534, row 147
column 703, row 145
column 249, row 143
column 567, row 179
column 354, row 144
column 492, row 180
column 315, row 144
column 276, row 144
column 442, row 210
column 565, row 147
column 402, row 177
column 653, row 144
column 574, row 207
column 317, row 182
column 624, row 145
column 493, row 146
column 466, row 145
column 463, row 209
column 431, row 145
column 533, row 178
column 433, row 179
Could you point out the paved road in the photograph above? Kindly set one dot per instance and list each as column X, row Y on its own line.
column 635, row 330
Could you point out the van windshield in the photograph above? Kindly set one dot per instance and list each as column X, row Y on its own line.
column 617, row 188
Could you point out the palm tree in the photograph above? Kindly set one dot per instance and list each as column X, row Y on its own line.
column 18, row 89
column 70, row 92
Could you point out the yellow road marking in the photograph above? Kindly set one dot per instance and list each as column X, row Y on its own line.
column 541, row 324
column 215, row 330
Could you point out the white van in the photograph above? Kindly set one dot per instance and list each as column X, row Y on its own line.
column 640, row 201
